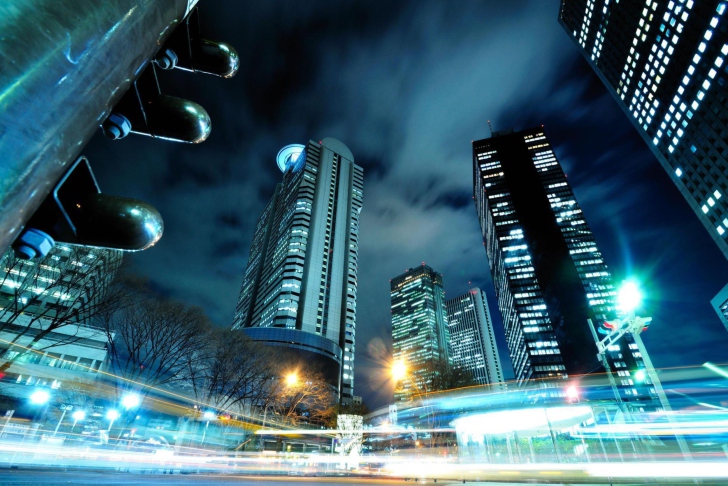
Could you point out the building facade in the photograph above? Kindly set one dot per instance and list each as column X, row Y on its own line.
column 472, row 340
column 664, row 61
column 720, row 304
column 550, row 277
column 420, row 334
column 47, row 307
column 299, row 288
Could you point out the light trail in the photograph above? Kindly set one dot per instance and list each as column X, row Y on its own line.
column 463, row 435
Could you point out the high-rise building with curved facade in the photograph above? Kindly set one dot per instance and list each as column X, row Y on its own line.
column 299, row 289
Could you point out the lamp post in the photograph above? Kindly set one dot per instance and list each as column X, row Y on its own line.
column 400, row 373
column 128, row 401
column 39, row 399
column 207, row 416
column 77, row 415
column 65, row 409
column 111, row 415
column 629, row 298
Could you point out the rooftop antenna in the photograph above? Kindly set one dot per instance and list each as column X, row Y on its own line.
column 491, row 128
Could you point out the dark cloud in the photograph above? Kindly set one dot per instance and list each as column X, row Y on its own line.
column 407, row 86
column 453, row 199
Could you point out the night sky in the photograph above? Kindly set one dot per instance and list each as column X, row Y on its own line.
column 407, row 86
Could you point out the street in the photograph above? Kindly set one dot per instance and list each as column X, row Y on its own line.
column 18, row 477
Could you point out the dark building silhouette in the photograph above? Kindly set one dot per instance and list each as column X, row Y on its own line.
column 549, row 275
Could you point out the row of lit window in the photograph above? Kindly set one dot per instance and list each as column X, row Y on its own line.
column 677, row 102
column 585, row 23
column 628, row 69
column 658, row 50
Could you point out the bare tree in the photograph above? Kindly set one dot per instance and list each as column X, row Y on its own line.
column 46, row 302
column 302, row 395
column 154, row 343
column 232, row 371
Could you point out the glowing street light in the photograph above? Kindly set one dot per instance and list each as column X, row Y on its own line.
column 399, row 370
column 39, row 397
column 572, row 394
column 111, row 415
column 629, row 297
column 77, row 415
column 131, row 400
column 207, row 417
column 291, row 379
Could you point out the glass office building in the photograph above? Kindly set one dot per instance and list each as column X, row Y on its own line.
column 472, row 340
column 664, row 61
column 550, row 277
column 720, row 304
column 420, row 334
column 299, row 288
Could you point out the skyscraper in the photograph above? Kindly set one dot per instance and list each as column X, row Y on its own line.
column 664, row 63
column 549, row 275
column 420, row 335
column 299, row 289
column 720, row 304
column 472, row 340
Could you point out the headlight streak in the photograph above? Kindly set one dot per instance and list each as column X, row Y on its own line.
column 512, row 419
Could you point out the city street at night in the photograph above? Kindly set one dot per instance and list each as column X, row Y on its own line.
column 353, row 242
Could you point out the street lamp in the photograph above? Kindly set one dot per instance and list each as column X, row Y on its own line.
column 77, row 415
column 291, row 379
column 572, row 394
column 207, row 416
column 629, row 297
column 111, row 415
column 400, row 373
column 131, row 400
column 399, row 370
column 39, row 397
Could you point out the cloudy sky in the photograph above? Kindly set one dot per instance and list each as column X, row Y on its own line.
column 407, row 86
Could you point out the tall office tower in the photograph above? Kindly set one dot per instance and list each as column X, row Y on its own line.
column 472, row 340
column 549, row 275
column 720, row 304
column 420, row 335
column 299, row 289
column 664, row 61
